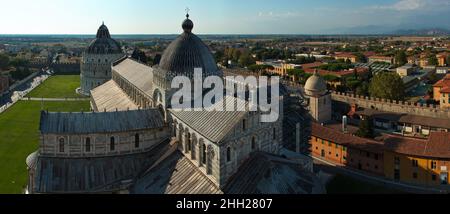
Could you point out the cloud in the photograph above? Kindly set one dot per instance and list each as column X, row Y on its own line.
column 414, row 5
column 272, row 14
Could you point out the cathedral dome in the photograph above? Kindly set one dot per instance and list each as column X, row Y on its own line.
column 187, row 52
column 315, row 85
column 103, row 43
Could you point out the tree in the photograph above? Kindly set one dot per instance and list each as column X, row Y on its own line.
column 4, row 61
column 388, row 86
column 365, row 128
column 245, row 59
column 433, row 60
column 363, row 89
column 360, row 58
column 139, row 56
column 401, row 58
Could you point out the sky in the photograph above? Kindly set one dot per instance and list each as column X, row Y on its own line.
column 218, row 16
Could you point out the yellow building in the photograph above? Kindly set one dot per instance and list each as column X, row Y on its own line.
column 345, row 57
column 421, row 162
column 441, row 91
column 441, row 59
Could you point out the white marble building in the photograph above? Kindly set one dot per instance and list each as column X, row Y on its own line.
column 97, row 59
column 182, row 152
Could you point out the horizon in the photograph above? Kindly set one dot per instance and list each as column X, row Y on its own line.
column 233, row 17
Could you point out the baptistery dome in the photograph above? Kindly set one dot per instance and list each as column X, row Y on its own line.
column 186, row 53
column 103, row 43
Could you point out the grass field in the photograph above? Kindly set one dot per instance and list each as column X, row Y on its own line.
column 19, row 137
column 58, row 86
column 346, row 185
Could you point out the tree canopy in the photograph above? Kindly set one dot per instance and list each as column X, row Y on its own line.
column 388, row 86
column 401, row 58
column 366, row 128
column 4, row 61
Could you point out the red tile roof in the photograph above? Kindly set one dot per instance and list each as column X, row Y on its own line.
column 437, row 145
column 445, row 82
column 347, row 140
column 359, row 70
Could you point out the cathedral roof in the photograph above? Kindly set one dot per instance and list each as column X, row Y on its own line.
column 103, row 43
column 100, row 122
column 213, row 125
column 187, row 52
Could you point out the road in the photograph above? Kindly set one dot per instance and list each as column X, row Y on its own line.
column 22, row 90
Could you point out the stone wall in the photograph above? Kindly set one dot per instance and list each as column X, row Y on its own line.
column 394, row 106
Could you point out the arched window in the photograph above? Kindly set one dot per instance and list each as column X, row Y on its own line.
column 189, row 142
column 61, row 145
column 203, row 154
column 228, row 154
column 136, row 141
column 88, row 144
column 112, row 144
column 253, row 143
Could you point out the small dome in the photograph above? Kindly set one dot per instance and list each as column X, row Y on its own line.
column 315, row 85
column 186, row 53
column 103, row 43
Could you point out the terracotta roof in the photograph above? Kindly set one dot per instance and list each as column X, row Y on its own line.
column 349, row 55
column 312, row 65
column 445, row 90
column 425, row 121
column 381, row 57
column 347, row 140
column 437, row 145
column 404, row 145
column 337, row 73
column 445, row 82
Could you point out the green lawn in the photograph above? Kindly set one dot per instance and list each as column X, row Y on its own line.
column 19, row 137
column 58, row 86
column 347, row 185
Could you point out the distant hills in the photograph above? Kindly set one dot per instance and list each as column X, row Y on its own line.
column 423, row 32
column 391, row 30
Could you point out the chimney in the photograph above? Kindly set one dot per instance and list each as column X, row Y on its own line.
column 344, row 124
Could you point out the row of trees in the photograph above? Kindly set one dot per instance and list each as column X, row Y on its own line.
column 6, row 62
column 242, row 57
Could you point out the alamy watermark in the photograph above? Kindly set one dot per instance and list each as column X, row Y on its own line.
column 241, row 94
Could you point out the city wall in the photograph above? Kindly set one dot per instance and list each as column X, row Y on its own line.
column 394, row 106
column 68, row 68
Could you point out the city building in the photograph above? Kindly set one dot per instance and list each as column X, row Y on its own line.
column 346, row 57
column 442, row 59
column 406, row 70
column 440, row 90
column 347, row 150
column 415, row 161
column 279, row 67
column 97, row 59
column 135, row 141
column 385, row 59
column 442, row 70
